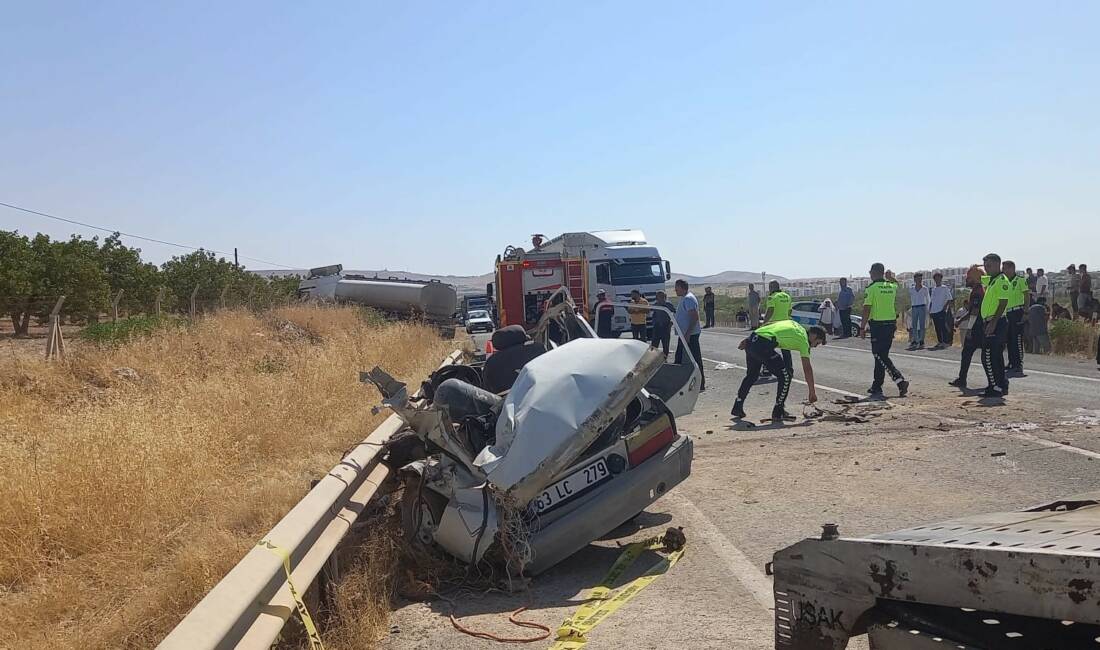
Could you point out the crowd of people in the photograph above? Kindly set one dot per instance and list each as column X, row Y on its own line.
column 1005, row 314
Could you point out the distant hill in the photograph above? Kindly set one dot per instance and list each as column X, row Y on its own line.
column 476, row 283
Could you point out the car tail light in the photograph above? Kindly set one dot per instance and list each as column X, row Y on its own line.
column 648, row 439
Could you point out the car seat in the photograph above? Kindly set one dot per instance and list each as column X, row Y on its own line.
column 513, row 349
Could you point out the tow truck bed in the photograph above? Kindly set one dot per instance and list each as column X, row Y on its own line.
column 1020, row 580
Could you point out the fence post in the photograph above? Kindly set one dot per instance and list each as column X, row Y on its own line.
column 194, row 293
column 55, row 342
column 160, row 298
column 114, row 306
column 251, row 291
column 221, row 298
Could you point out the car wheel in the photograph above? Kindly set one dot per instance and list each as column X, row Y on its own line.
column 854, row 331
column 421, row 511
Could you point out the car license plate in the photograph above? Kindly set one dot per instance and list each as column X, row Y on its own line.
column 572, row 485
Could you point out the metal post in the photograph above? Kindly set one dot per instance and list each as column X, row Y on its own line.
column 221, row 298
column 160, row 298
column 114, row 306
column 194, row 293
column 55, row 342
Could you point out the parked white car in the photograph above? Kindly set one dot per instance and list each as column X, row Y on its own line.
column 479, row 320
column 808, row 314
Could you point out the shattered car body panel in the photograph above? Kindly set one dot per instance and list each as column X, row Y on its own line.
column 576, row 448
column 1023, row 580
column 558, row 405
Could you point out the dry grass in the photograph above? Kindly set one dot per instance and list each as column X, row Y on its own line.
column 126, row 496
column 1074, row 337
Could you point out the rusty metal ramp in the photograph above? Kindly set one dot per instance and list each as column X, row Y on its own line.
column 1021, row 580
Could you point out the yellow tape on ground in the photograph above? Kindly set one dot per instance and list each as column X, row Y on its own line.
column 303, row 613
column 603, row 601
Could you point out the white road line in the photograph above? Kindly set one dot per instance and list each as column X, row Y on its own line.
column 1055, row 445
column 917, row 356
column 821, row 386
column 742, row 568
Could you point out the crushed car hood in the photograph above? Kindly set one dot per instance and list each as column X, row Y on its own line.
column 560, row 403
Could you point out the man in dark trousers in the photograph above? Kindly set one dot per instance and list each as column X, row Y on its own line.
column 708, row 307
column 687, row 319
column 662, row 322
column 779, row 308
column 1018, row 302
column 998, row 292
column 844, row 302
column 761, row 349
column 604, row 312
column 880, row 316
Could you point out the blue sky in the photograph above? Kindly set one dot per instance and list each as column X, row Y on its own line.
column 797, row 138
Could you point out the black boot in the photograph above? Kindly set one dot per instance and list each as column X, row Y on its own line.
column 738, row 410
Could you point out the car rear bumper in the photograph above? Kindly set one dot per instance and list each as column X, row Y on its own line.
column 607, row 508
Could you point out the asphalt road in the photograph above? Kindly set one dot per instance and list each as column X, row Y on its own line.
column 757, row 488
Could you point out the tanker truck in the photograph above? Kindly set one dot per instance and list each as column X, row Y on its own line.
column 428, row 300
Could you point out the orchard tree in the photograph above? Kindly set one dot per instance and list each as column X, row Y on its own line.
column 16, row 278
column 203, row 269
column 34, row 272
column 139, row 281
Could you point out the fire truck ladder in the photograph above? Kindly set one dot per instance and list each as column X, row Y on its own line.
column 576, row 280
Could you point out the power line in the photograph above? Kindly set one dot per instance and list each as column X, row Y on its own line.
column 132, row 236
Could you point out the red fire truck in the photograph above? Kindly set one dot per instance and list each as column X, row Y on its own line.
column 616, row 261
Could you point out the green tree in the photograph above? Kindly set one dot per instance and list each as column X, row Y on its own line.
column 35, row 272
column 139, row 281
column 16, row 278
column 203, row 269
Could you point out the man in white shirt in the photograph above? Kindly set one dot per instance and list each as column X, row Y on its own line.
column 1042, row 287
column 942, row 297
column 918, row 301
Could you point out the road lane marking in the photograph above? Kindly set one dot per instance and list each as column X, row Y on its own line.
column 817, row 385
column 1055, row 445
column 917, row 356
column 742, row 568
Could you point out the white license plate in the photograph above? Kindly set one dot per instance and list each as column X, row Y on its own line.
column 572, row 485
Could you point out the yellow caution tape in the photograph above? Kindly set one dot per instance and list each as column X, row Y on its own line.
column 303, row 613
column 604, row 601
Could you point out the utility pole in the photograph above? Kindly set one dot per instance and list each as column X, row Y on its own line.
column 236, row 262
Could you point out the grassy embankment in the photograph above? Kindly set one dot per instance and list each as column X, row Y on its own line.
column 137, row 473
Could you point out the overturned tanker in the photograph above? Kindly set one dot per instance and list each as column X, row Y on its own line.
column 431, row 301
column 582, row 439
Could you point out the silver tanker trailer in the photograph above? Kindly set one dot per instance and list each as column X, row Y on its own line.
column 431, row 300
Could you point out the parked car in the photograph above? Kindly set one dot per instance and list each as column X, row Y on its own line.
column 479, row 320
column 582, row 441
column 807, row 313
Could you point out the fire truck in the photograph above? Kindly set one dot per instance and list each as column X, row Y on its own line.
column 616, row 261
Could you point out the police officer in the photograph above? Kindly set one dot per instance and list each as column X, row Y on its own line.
column 998, row 292
column 760, row 350
column 880, row 316
column 778, row 308
column 1018, row 302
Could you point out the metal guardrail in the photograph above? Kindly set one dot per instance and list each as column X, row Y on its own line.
column 250, row 605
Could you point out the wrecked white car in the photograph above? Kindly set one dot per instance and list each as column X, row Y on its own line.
column 581, row 438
